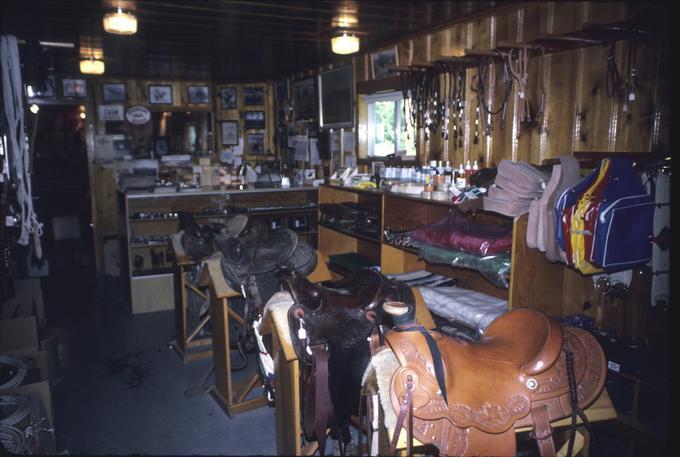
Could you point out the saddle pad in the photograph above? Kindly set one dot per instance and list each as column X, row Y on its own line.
column 502, row 202
column 470, row 308
column 564, row 206
column 521, row 178
column 455, row 231
column 582, row 220
column 569, row 175
column 278, row 306
column 623, row 229
column 350, row 261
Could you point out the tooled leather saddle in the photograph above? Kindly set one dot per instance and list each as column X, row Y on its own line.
column 330, row 326
column 467, row 398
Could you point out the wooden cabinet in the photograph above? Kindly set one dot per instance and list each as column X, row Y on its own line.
column 534, row 282
column 152, row 217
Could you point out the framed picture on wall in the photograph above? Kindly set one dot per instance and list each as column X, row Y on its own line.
column 228, row 98
column 114, row 92
column 160, row 94
column 383, row 60
column 253, row 96
column 255, row 144
column 74, row 88
column 253, row 120
column 229, row 130
column 336, row 101
column 198, row 94
column 304, row 98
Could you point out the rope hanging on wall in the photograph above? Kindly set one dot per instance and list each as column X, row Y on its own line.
column 18, row 144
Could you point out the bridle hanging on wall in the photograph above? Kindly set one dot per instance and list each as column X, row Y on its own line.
column 479, row 85
column 437, row 99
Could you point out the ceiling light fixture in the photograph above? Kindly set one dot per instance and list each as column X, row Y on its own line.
column 120, row 22
column 92, row 66
column 347, row 43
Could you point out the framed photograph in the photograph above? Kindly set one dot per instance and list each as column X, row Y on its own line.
column 304, row 98
column 255, row 144
column 44, row 90
column 336, row 103
column 229, row 130
column 253, row 95
column 114, row 92
column 253, row 120
column 74, row 88
column 161, row 146
column 198, row 94
column 228, row 98
column 382, row 61
column 160, row 94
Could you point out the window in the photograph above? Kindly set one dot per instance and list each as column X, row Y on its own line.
column 388, row 130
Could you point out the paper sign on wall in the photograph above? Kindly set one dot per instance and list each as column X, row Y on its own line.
column 335, row 142
column 314, row 151
column 301, row 147
column 348, row 142
column 111, row 113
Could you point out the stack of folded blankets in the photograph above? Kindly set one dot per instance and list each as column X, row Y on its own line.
column 516, row 185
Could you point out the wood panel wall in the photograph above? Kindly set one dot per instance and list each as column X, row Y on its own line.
column 238, row 114
column 579, row 114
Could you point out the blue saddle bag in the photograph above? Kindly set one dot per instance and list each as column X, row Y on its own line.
column 623, row 230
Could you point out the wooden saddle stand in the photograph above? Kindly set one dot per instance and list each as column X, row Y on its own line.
column 232, row 397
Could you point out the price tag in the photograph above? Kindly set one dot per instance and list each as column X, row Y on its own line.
column 302, row 333
column 613, row 366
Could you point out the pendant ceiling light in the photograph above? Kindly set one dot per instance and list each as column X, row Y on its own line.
column 92, row 66
column 347, row 43
column 120, row 22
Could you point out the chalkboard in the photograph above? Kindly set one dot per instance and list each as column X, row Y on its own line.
column 337, row 98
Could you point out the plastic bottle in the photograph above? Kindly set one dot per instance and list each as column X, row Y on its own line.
column 468, row 173
column 448, row 173
column 460, row 177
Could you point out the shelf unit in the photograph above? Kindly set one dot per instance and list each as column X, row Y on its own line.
column 534, row 282
column 151, row 289
column 335, row 241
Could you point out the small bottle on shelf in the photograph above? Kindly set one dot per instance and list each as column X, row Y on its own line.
column 448, row 173
column 468, row 173
column 460, row 177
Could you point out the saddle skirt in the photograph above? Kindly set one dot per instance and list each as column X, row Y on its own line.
column 494, row 385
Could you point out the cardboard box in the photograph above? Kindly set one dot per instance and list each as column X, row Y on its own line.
column 37, row 364
column 19, row 336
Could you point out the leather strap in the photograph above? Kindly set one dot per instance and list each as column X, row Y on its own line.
column 434, row 352
column 543, row 431
column 405, row 409
column 322, row 407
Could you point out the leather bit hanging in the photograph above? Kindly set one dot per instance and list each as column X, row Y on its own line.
column 479, row 85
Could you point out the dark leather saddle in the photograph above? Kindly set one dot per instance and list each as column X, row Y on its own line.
column 329, row 326
column 467, row 398
column 343, row 313
column 249, row 263
column 200, row 241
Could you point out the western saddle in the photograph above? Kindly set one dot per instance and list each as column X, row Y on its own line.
column 467, row 398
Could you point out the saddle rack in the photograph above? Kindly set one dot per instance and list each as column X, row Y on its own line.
column 188, row 345
column 229, row 395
